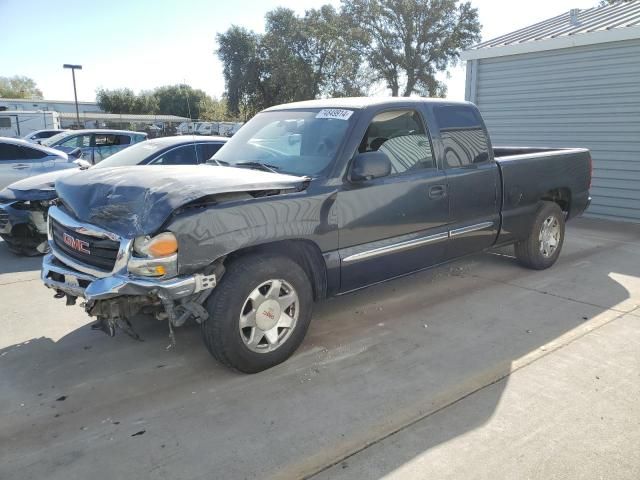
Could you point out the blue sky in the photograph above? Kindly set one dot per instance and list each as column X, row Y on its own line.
column 143, row 44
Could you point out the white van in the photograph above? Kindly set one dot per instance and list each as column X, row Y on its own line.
column 19, row 123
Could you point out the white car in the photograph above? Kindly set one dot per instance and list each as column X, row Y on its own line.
column 39, row 135
column 20, row 159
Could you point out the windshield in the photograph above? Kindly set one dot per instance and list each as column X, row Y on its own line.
column 288, row 141
column 55, row 139
column 133, row 155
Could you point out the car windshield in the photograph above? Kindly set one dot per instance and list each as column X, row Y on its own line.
column 288, row 141
column 55, row 139
column 132, row 155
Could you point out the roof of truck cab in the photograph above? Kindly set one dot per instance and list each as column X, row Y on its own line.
column 361, row 102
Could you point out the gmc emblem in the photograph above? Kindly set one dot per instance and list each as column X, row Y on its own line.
column 75, row 243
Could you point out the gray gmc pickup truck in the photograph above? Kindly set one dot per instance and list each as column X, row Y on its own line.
column 307, row 200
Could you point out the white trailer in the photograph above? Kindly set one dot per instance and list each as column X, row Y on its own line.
column 228, row 129
column 18, row 123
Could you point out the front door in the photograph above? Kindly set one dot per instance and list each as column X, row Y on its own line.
column 393, row 225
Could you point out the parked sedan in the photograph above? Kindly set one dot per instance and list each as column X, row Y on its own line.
column 24, row 204
column 39, row 135
column 96, row 144
column 20, row 159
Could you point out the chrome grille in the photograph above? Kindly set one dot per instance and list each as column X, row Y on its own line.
column 96, row 252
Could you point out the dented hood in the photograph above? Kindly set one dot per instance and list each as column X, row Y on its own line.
column 38, row 187
column 137, row 200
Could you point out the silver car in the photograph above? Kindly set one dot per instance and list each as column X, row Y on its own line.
column 20, row 159
column 95, row 144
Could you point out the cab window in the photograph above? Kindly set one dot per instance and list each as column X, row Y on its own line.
column 463, row 136
column 400, row 134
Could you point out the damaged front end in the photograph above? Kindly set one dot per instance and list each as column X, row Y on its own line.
column 23, row 226
column 117, row 282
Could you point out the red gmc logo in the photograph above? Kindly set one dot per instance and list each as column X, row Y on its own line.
column 76, row 243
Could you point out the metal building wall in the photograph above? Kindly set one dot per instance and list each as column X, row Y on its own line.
column 585, row 96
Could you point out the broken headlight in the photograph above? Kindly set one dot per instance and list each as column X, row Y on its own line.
column 155, row 256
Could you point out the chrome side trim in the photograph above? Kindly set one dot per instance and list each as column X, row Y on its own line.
column 471, row 228
column 397, row 247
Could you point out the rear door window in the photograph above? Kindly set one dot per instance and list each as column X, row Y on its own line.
column 9, row 152
column 463, row 135
column 184, row 155
column 32, row 153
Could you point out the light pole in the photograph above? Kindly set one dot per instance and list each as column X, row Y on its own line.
column 75, row 94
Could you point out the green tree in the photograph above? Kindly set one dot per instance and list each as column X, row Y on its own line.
column 297, row 58
column 122, row 100
column 19, row 87
column 181, row 100
column 238, row 52
column 407, row 42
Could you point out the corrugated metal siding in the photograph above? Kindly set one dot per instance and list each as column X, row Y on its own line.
column 579, row 97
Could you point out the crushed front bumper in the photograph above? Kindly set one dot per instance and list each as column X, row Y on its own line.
column 62, row 278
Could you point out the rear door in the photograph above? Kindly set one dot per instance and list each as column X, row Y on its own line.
column 396, row 224
column 473, row 178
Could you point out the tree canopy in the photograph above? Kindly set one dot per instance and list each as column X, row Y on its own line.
column 407, row 42
column 297, row 58
column 342, row 52
column 181, row 100
column 19, row 87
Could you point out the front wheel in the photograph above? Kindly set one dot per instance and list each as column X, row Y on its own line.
column 542, row 247
column 259, row 313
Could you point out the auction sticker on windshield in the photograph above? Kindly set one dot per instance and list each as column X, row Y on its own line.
column 334, row 113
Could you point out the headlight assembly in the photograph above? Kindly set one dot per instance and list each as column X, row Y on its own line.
column 155, row 256
column 161, row 245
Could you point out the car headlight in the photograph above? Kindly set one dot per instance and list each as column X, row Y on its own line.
column 161, row 245
column 155, row 256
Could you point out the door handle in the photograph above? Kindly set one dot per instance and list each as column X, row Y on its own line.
column 437, row 191
column 20, row 166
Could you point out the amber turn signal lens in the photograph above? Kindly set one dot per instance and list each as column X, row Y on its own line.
column 162, row 245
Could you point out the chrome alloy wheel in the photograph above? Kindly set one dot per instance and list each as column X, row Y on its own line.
column 269, row 316
column 549, row 236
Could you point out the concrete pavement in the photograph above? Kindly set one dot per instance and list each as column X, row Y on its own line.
column 378, row 366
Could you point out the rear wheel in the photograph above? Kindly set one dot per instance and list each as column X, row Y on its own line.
column 259, row 313
column 542, row 247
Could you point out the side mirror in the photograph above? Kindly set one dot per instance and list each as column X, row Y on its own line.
column 75, row 153
column 83, row 164
column 370, row 165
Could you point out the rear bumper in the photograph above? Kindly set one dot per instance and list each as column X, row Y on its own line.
column 57, row 276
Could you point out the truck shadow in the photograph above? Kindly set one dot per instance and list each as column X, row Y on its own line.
column 372, row 362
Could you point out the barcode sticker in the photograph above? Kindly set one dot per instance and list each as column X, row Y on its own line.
column 336, row 113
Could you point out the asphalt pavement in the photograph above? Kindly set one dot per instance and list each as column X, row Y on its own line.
column 478, row 369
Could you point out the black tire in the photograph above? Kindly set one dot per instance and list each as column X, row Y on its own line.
column 221, row 332
column 528, row 252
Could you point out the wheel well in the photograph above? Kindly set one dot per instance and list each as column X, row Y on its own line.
column 304, row 252
column 561, row 196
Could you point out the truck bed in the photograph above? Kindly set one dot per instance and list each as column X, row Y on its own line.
column 528, row 174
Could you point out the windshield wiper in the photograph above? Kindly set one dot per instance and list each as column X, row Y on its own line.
column 262, row 166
